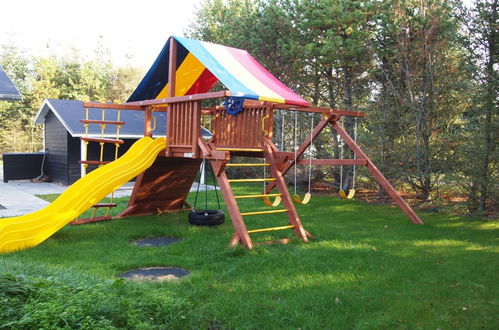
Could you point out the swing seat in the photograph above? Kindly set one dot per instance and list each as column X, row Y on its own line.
column 351, row 193
column 305, row 200
column 275, row 203
column 344, row 195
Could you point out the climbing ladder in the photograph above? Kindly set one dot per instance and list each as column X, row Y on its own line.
column 239, row 219
column 101, row 162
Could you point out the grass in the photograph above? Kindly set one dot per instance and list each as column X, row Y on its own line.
column 368, row 267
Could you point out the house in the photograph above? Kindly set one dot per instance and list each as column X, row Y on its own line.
column 8, row 92
column 62, row 130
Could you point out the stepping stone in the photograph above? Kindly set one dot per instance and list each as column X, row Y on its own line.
column 156, row 241
column 158, row 274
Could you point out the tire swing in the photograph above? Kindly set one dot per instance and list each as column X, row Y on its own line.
column 351, row 192
column 308, row 196
column 206, row 217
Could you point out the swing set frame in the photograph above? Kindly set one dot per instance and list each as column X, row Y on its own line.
column 332, row 119
column 165, row 185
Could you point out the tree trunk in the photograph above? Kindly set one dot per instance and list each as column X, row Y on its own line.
column 489, row 107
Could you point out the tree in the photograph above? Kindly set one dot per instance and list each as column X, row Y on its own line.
column 480, row 39
column 67, row 77
column 420, row 80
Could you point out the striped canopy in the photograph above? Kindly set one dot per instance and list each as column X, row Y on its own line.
column 201, row 64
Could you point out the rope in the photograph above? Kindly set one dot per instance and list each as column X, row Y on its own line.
column 215, row 184
column 118, row 128
column 354, row 155
column 116, row 146
column 282, row 130
column 294, row 144
column 310, row 152
column 205, row 188
column 197, row 190
column 341, row 157
column 102, row 130
column 85, row 144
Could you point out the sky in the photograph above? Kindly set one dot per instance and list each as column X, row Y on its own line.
column 138, row 28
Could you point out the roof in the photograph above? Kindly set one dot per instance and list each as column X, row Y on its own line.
column 70, row 112
column 201, row 64
column 8, row 92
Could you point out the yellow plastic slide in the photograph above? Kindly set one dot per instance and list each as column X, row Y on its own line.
column 30, row 230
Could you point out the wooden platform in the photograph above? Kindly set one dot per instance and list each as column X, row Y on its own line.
column 163, row 187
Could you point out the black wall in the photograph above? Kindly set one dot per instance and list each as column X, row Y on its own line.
column 56, row 141
column 63, row 156
column 22, row 166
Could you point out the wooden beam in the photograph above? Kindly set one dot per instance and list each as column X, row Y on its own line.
column 341, row 112
column 112, row 106
column 172, row 67
column 175, row 99
column 378, row 175
column 332, row 162
column 277, row 106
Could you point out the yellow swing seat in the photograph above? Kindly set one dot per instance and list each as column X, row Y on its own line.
column 344, row 195
column 275, row 203
column 305, row 200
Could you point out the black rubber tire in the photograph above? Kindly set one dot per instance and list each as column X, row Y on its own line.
column 206, row 217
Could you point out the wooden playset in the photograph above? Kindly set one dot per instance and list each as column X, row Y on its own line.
column 178, row 83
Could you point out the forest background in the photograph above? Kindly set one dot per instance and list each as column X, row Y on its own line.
column 425, row 73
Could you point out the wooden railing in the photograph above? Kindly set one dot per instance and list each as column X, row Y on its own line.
column 245, row 130
column 183, row 128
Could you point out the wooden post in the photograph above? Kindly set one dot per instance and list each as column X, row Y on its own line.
column 235, row 214
column 172, row 67
column 378, row 175
column 281, row 187
column 147, row 122
column 196, row 127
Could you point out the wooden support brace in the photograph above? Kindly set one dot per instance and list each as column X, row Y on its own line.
column 235, row 214
column 378, row 175
column 281, row 187
column 333, row 162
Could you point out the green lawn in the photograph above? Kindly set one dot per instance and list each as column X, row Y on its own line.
column 368, row 268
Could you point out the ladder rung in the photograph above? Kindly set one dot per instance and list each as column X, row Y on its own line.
column 104, row 205
column 269, row 229
column 113, row 141
column 264, row 212
column 90, row 220
column 93, row 162
column 247, row 165
column 240, row 149
column 251, row 180
column 103, row 122
column 257, row 196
